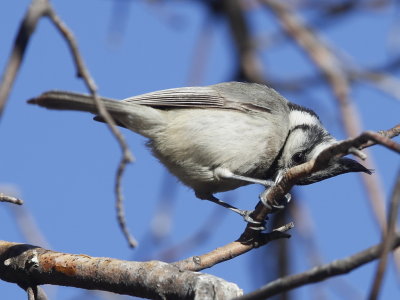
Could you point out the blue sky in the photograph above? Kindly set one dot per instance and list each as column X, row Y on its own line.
column 63, row 163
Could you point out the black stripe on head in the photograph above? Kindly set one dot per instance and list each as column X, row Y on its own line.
column 315, row 135
column 294, row 106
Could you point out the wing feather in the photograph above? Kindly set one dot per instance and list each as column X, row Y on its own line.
column 201, row 97
column 247, row 97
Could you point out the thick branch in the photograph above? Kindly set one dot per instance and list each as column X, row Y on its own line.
column 22, row 263
column 337, row 267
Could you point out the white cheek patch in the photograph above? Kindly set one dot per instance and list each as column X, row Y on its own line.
column 319, row 148
column 298, row 117
column 297, row 139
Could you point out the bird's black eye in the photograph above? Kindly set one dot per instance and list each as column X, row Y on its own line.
column 299, row 158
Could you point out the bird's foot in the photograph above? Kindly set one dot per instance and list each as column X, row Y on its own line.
column 276, row 205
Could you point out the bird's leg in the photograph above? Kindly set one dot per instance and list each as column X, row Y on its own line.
column 281, row 204
column 214, row 199
column 244, row 213
column 227, row 174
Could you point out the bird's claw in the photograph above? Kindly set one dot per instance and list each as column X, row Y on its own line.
column 255, row 225
column 277, row 206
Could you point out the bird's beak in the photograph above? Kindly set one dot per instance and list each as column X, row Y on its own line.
column 336, row 167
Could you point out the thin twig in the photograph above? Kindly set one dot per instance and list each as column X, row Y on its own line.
column 306, row 231
column 232, row 250
column 390, row 133
column 31, row 294
column 250, row 64
column 34, row 292
column 127, row 157
column 10, row 199
column 388, row 239
column 198, row 238
column 201, row 51
column 36, row 10
column 337, row 267
column 119, row 203
column 29, row 227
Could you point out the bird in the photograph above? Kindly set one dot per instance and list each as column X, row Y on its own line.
column 219, row 137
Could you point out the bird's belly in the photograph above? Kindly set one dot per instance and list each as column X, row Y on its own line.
column 196, row 142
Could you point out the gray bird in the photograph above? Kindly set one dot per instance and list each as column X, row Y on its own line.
column 220, row 137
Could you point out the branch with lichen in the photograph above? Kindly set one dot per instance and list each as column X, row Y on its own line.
column 21, row 263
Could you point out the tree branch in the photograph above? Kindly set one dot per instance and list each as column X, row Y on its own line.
column 231, row 250
column 337, row 267
column 388, row 239
column 37, row 9
column 127, row 156
column 10, row 199
column 153, row 279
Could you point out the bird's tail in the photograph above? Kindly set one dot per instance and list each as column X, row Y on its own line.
column 73, row 101
column 142, row 119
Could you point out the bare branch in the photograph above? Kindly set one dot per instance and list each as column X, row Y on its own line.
column 337, row 267
column 306, row 231
column 10, row 199
column 36, row 10
column 153, row 279
column 231, row 250
column 35, row 293
column 388, row 239
column 389, row 134
column 127, row 156
column 28, row 226
column 250, row 64
column 31, row 295
column 197, row 238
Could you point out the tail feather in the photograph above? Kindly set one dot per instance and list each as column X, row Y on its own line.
column 142, row 119
column 73, row 101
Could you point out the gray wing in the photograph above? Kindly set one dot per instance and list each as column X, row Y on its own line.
column 230, row 95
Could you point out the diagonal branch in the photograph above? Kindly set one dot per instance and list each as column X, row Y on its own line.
column 388, row 239
column 337, row 267
column 231, row 250
column 37, row 9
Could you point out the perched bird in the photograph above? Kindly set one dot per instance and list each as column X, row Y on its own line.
column 220, row 137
